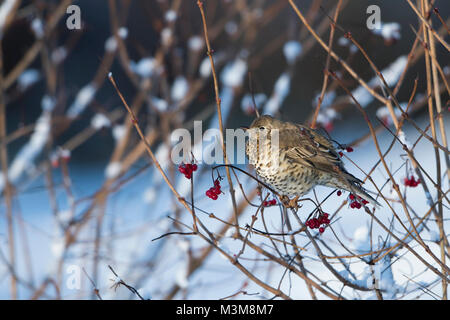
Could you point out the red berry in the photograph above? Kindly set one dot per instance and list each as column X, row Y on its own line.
column 411, row 182
column 273, row 202
column 321, row 229
column 194, row 167
column 55, row 163
column 349, row 149
column 352, row 197
column 339, row 193
column 316, row 223
column 341, row 154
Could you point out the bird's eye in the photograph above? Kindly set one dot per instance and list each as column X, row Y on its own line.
column 262, row 128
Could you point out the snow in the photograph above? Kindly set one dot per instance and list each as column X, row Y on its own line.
column 48, row 103
column 402, row 138
column 37, row 27
column 159, row 104
column 181, row 277
column 327, row 100
column 281, row 90
column 363, row 96
column 385, row 279
column 233, row 73
column 226, row 97
column 64, row 153
column 195, row 43
column 28, row 153
column 326, row 117
column 434, row 236
column 183, row 245
column 57, row 247
column 5, row 9
column 118, row 131
column 145, row 293
column 111, row 44
column 343, row 41
column 292, row 50
column 384, row 114
column 123, row 32
column 218, row 275
column 144, row 67
column 388, row 30
column 28, row 78
column 166, row 36
column 149, row 195
column 170, row 16
column 83, row 98
column 180, row 88
column 247, row 102
column 112, row 170
column 205, row 68
column 58, row 55
column 230, row 232
column 391, row 74
column 99, row 120
column 446, row 69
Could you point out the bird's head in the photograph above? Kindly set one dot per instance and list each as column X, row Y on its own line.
column 265, row 123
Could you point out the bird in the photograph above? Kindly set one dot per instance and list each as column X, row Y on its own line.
column 292, row 159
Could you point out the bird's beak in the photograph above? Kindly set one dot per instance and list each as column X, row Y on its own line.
column 243, row 128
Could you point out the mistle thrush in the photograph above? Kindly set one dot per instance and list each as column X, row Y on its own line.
column 293, row 159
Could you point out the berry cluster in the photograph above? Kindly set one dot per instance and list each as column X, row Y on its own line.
column 411, row 182
column 315, row 223
column 269, row 203
column 187, row 169
column 214, row 192
column 357, row 202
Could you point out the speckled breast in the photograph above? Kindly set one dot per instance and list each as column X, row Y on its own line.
column 282, row 174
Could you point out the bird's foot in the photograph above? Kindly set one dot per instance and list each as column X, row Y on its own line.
column 290, row 203
column 284, row 200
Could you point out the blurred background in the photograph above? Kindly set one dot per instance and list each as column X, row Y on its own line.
column 82, row 193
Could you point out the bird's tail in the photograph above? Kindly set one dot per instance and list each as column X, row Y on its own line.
column 361, row 192
column 353, row 186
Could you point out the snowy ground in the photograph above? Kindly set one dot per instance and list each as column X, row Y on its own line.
column 135, row 217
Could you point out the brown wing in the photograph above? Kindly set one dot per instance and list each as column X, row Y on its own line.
column 310, row 148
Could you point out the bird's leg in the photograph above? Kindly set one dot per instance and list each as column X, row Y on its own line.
column 293, row 203
column 290, row 203
column 285, row 201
